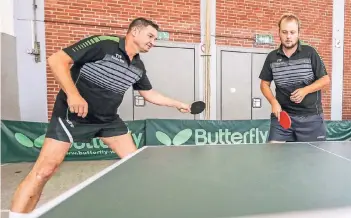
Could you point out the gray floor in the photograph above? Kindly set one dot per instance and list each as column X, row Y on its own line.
column 70, row 174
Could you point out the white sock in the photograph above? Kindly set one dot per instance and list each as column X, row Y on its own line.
column 17, row 215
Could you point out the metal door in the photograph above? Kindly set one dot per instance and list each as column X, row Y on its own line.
column 171, row 70
column 235, row 85
column 261, row 108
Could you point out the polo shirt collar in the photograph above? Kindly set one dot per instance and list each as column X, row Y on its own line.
column 122, row 46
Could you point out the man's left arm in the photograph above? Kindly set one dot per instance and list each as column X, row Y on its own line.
column 144, row 87
column 157, row 98
column 320, row 72
column 322, row 79
column 318, row 84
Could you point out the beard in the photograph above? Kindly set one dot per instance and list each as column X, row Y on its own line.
column 290, row 46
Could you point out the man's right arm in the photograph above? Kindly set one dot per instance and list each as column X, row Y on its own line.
column 266, row 77
column 267, row 92
column 60, row 64
column 83, row 51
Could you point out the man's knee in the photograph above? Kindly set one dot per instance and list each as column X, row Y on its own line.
column 45, row 171
column 52, row 154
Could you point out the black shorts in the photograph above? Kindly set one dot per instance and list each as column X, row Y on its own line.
column 303, row 129
column 68, row 131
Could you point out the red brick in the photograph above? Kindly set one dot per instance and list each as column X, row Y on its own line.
column 70, row 20
column 237, row 21
column 347, row 63
column 242, row 19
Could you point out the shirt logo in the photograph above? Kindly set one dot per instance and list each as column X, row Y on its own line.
column 118, row 57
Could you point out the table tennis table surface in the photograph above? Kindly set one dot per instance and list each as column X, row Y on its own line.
column 216, row 181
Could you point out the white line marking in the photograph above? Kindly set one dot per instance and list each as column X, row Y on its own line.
column 330, row 152
column 319, row 213
column 56, row 201
column 4, row 164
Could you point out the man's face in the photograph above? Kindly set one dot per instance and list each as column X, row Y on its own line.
column 145, row 38
column 289, row 33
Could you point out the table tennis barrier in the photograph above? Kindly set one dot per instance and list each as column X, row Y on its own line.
column 21, row 140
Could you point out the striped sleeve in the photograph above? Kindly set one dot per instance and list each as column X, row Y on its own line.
column 89, row 49
column 318, row 66
column 266, row 72
column 143, row 83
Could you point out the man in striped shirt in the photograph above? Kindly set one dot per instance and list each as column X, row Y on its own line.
column 299, row 75
column 93, row 74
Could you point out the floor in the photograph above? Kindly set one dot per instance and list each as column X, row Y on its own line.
column 69, row 174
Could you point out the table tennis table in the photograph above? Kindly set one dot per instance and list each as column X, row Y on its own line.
column 216, row 181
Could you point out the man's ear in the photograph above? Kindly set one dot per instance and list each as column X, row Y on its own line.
column 135, row 31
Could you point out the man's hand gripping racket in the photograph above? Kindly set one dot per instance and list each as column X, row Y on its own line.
column 282, row 116
column 195, row 108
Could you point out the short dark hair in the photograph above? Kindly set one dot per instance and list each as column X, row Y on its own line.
column 142, row 22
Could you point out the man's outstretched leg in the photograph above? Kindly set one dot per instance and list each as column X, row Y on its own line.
column 122, row 145
column 28, row 192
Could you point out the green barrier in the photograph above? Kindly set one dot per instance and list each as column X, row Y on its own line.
column 339, row 130
column 22, row 141
column 202, row 132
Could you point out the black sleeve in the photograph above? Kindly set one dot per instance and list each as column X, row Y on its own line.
column 318, row 66
column 143, row 83
column 87, row 50
column 266, row 72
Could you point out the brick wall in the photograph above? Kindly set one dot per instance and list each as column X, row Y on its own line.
column 238, row 21
column 67, row 21
column 347, row 63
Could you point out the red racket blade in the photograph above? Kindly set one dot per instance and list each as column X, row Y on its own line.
column 285, row 120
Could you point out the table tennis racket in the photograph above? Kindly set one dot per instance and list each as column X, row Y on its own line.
column 197, row 107
column 285, row 120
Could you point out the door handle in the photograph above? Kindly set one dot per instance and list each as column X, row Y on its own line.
column 139, row 101
column 256, row 102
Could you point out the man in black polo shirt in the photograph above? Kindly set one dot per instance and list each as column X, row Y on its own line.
column 104, row 68
column 299, row 75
